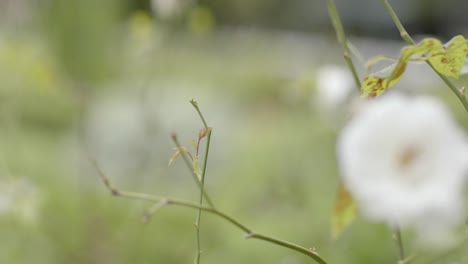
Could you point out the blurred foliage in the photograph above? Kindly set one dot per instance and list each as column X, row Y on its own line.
column 83, row 35
column 94, row 75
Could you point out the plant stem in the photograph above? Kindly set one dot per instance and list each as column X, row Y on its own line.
column 165, row 201
column 202, row 180
column 195, row 105
column 202, row 190
column 405, row 36
column 309, row 252
column 189, row 165
column 403, row 33
column 338, row 26
column 399, row 241
column 197, row 227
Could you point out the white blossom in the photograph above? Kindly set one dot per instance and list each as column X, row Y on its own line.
column 404, row 160
column 166, row 8
column 21, row 199
column 5, row 201
column 334, row 85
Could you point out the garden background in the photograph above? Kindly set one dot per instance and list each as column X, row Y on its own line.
column 112, row 79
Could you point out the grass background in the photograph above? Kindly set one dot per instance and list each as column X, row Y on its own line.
column 272, row 161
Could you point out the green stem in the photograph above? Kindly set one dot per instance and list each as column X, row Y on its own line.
column 338, row 26
column 194, row 175
column 403, row 33
column 399, row 241
column 197, row 227
column 405, row 36
column 164, row 201
column 309, row 252
column 202, row 190
column 195, row 105
column 249, row 233
column 202, row 180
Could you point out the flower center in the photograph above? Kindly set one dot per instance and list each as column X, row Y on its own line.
column 408, row 156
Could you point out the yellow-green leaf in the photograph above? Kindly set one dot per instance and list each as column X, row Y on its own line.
column 426, row 45
column 449, row 59
column 377, row 83
column 345, row 211
column 374, row 85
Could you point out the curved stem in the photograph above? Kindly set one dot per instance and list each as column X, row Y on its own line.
column 195, row 105
column 460, row 93
column 338, row 26
column 189, row 165
column 165, row 201
column 202, row 180
column 309, row 252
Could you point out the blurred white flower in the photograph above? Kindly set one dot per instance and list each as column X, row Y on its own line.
column 166, row 8
column 19, row 198
column 334, row 85
column 5, row 201
column 405, row 160
column 116, row 132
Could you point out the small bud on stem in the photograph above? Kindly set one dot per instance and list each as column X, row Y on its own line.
column 202, row 133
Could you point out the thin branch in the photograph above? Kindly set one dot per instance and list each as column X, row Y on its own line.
column 405, row 36
column 205, row 161
column 189, row 166
column 338, row 26
column 195, row 105
column 153, row 209
column 399, row 241
column 403, row 33
column 208, row 130
column 165, row 201
column 202, row 189
column 311, row 252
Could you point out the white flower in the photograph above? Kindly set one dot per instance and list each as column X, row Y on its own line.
column 334, row 86
column 166, row 8
column 21, row 199
column 404, row 160
column 5, row 201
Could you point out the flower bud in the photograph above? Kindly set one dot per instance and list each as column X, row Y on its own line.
column 202, row 133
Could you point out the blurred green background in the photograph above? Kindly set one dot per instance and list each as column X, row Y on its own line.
column 111, row 79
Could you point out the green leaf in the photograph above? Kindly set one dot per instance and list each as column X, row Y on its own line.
column 345, row 211
column 377, row 83
column 446, row 59
column 449, row 59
